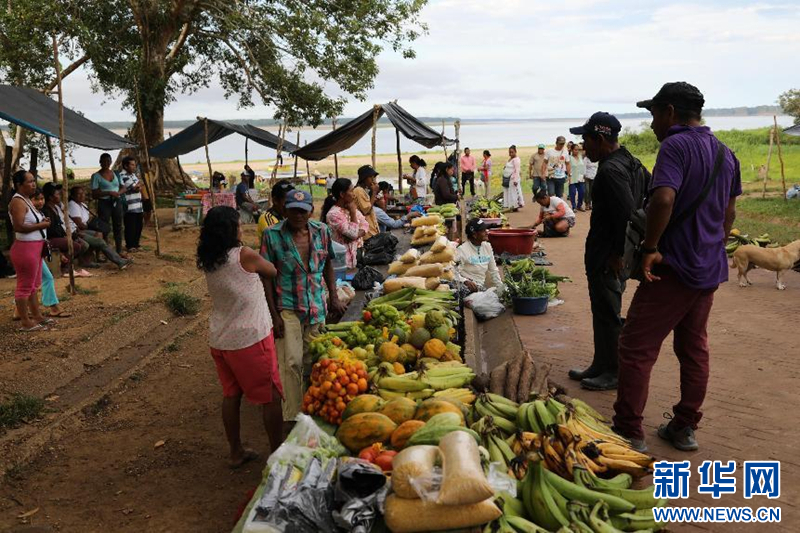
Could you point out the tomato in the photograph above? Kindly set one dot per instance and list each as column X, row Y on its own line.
column 384, row 460
column 369, row 454
column 367, row 316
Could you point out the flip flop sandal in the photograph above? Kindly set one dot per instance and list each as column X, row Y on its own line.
column 37, row 327
column 60, row 314
column 249, row 456
column 47, row 322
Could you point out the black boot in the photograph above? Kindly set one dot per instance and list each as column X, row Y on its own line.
column 578, row 374
column 605, row 381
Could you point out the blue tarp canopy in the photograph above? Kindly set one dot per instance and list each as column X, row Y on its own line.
column 37, row 112
column 793, row 130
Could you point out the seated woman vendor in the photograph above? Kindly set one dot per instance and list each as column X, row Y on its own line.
column 475, row 259
column 556, row 215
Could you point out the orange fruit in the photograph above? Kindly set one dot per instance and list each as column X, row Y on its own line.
column 352, row 389
column 362, row 385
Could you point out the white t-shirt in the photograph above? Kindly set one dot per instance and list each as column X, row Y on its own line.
column 591, row 169
column 555, row 202
column 421, row 182
column 59, row 209
column 77, row 210
column 557, row 162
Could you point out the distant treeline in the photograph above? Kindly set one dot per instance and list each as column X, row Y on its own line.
column 268, row 122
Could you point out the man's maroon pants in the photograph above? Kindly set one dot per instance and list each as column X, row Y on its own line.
column 657, row 309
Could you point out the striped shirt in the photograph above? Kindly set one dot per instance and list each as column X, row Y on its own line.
column 299, row 289
column 133, row 200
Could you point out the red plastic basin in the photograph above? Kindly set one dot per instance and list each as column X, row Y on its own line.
column 512, row 241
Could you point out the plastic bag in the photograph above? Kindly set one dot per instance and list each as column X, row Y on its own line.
column 366, row 278
column 410, row 516
column 463, row 480
column 361, row 490
column 485, row 304
column 380, row 242
column 303, row 506
column 413, row 471
column 345, row 292
column 500, row 481
column 306, row 440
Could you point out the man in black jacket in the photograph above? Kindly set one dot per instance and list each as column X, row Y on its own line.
column 618, row 188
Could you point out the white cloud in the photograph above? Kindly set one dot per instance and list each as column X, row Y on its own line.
column 518, row 58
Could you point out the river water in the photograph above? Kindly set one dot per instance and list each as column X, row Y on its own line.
column 476, row 135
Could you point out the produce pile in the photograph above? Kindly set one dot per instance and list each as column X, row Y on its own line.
column 736, row 239
column 524, row 279
column 488, row 208
column 427, row 229
column 507, row 451
column 424, row 271
column 446, row 210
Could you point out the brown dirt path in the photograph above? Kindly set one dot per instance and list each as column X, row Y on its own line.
column 749, row 413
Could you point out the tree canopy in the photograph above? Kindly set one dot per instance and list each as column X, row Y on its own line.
column 790, row 102
column 303, row 58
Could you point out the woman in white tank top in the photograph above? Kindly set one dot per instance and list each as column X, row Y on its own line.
column 27, row 250
column 240, row 328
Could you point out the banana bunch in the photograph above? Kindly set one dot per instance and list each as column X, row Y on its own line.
column 598, row 506
column 514, row 518
column 736, row 239
column 463, row 395
column 422, row 384
column 500, row 410
column 537, row 416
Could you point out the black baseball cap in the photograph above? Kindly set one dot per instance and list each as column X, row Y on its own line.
column 678, row 94
column 280, row 189
column 601, row 123
column 50, row 188
column 475, row 225
column 367, row 171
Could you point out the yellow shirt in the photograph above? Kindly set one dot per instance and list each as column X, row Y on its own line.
column 364, row 205
column 267, row 219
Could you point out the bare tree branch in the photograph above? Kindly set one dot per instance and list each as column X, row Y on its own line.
column 67, row 71
column 180, row 42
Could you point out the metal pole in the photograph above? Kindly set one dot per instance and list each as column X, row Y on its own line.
column 65, row 190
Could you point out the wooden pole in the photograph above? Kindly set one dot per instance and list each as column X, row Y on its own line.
column 457, row 125
column 308, row 173
column 34, row 166
column 444, row 146
column 335, row 157
column 780, row 156
column 281, row 135
column 51, row 157
column 246, row 152
column 769, row 158
column 65, row 190
column 208, row 160
column 399, row 163
column 295, row 157
column 146, row 178
column 375, row 113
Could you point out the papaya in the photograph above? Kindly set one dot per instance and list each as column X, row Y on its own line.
column 445, row 419
column 434, row 348
column 433, row 406
column 404, row 431
column 442, row 333
column 365, row 429
column 400, row 334
column 363, row 403
column 400, row 410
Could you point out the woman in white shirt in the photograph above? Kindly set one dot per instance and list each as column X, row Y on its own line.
column 590, row 171
column 420, row 178
column 577, row 171
column 79, row 213
column 512, row 184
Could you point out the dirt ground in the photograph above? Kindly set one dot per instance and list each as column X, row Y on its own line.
column 747, row 412
column 120, row 382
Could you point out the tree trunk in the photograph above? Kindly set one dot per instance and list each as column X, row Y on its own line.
column 169, row 175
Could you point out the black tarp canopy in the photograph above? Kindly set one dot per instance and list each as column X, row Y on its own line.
column 346, row 136
column 37, row 112
column 793, row 130
column 193, row 138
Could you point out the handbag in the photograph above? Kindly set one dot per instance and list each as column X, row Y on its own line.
column 507, row 175
column 637, row 224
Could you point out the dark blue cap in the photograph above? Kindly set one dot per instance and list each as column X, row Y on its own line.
column 601, row 123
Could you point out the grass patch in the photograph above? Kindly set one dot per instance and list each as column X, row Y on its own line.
column 773, row 215
column 86, row 291
column 172, row 258
column 98, row 407
column 137, row 376
column 180, row 302
column 172, row 347
column 19, row 408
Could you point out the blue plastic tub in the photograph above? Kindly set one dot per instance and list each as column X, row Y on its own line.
column 530, row 306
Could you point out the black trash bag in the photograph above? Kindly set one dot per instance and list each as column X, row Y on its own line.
column 361, row 489
column 382, row 257
column 381, row 242
column 366, row 278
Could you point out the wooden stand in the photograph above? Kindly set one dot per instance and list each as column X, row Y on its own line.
column 769, row 158
column 780, row 156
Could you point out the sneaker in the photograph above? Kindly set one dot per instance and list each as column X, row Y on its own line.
column 606, row 381
column 125, row 264
column 682, row 439
column 578, row 374
column 637, row 444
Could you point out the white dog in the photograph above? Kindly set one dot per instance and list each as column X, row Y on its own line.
column 778, row 260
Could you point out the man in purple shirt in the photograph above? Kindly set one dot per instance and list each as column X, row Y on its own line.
column 684, row 263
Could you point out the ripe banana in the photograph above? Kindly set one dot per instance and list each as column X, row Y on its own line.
column 400, row 384
column 390, row 394
column 423, row 394
column 618, row 465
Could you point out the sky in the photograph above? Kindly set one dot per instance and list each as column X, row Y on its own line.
column 537, row 59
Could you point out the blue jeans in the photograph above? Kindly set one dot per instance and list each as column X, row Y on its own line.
column 539, row 183
column 49, row 297
column 556, row 187
column 573, row 189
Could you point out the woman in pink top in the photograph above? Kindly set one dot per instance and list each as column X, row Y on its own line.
column 348, row 225
column 240, row 328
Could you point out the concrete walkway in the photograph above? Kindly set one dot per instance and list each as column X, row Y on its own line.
column 750, row 411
